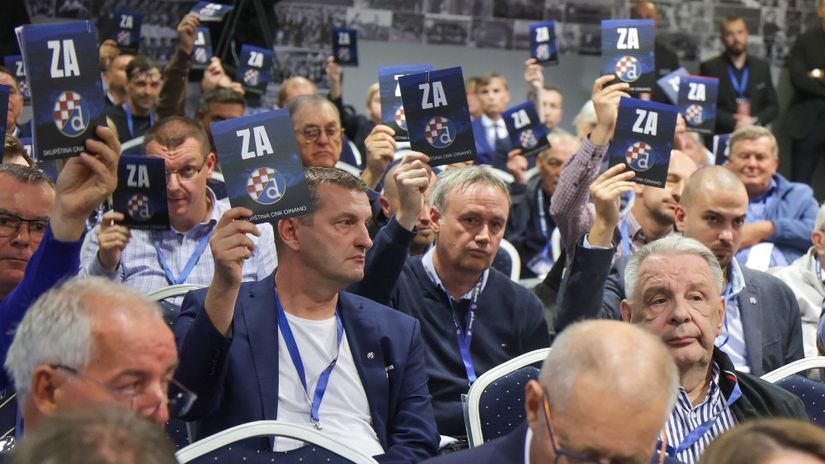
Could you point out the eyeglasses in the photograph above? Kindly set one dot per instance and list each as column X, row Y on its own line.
column 145, row 402
column 570, row 456
column 185, row 173
column 10, row 225
column 311, row 133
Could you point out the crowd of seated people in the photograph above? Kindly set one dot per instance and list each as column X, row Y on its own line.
column 371, row 318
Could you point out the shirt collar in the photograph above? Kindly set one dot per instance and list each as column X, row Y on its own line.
column 713, row 395
column 735, row 277
column 528, row 438
column 767, row 193
column 429, row 268
column 214, row 217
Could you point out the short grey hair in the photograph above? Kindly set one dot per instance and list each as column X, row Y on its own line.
column 626, row 359
column 463, row 178
column 669, row 246
column 819, row 224
column 25, row 174
column 57, row 328
column 753, row 133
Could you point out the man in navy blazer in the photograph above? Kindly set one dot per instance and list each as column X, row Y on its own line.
column 763, row 323
column 489, row 130
column 626, row 366
column 295, row 347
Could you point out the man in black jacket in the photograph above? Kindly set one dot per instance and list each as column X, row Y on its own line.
column 746, row 93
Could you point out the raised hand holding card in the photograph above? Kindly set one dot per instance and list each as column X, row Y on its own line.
column 345, row 46
column 543, row 42
column 211, row 12
column 203, row 48
column 255, row 66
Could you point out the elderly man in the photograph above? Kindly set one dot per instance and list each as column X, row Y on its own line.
column 473, row 317
column 762, row 328
column 492, row 141
column 746, row 93
column 149, row 260
column 261, row 350
column 627, row 367
column 780, row 212
column 675, row 292
column 804, row 277
column 42, row 227
column 652, row 214
column 90, row 341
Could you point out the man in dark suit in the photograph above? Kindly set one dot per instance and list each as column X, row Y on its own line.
column 492, row 141
column 762, row 329
column 805, row 122
column 295, row 347
column 746, row 93
column 594, row 359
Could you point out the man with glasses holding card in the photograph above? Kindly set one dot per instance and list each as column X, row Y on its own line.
column 149, row 260
column 627, row 367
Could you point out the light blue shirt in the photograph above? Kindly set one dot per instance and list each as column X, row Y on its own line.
column 429, row 268
column 756, row 212
column 732, row 339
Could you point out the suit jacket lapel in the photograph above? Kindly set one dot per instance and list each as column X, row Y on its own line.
column 751, row 324
column 257, row 306
column 368, row 355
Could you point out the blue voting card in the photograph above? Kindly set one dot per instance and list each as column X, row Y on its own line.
column 669, row 83
column 721, row 149
column 627, row 52
column 50, row 167
column 526, row 129
column 543, row 42
column 202, row 52
column 392, row 107
column 254, row 66
column 27, row 145
column 14, row 63
column 262, row 167
column 5, row 91
column 643, row 139
column 211, row 12
column 697, row 102
column 438, row 118
column 141, row 192
column 127, row 29
column 345, row 46
column 61, row 61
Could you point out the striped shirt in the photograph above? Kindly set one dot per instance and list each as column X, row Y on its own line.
column 684, row 418
column 140, row 266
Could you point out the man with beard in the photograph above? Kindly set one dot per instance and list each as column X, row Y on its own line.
column 746, row 93
column 762, row 327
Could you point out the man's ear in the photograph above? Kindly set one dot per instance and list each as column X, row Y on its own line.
column 722, row 310
column 435, row 217
column 679, row 218
column 624, row 307
column 45, row 383
column 533, row 403
column 211, row 161
column 385, row 206
column 288, row 232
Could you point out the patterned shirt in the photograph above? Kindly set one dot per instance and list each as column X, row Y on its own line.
column 714, row 413
column 140, row 266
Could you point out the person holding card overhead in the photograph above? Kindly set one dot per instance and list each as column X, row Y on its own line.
column 746, row 93
column 294, row 346
column 132, row 256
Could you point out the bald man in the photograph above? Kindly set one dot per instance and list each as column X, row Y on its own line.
column 762, row 324
column 626, row 366
column 293, row 87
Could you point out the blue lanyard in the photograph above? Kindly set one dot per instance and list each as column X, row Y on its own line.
column 739, row 86
column 545, row 252
column 130, row 122
column 625, row 237
column 184, row 274
column 295, row 354
column 465, row 337
column 696, row 434
column 728, row 291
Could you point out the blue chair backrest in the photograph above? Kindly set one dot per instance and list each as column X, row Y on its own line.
column 245, row 452
column 811, row 392
column 503, row 262
column 176, row 430
column 501, row 406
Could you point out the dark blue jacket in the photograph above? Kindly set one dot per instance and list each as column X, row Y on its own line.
column 524, row 223
column 236, row 377
column 485, row 154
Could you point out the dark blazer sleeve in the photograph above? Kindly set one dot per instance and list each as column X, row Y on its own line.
column 412, row 435
column 799, row 66
column 385, row 262
column 202, row 354
column 582, row 291
column 724, row 117
column 519, row 214
column 770, row 104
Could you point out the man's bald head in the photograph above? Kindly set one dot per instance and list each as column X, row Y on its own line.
column 711, row 179
column 644, row 10
column 293, row 87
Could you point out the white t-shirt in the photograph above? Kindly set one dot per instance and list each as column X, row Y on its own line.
column 344, row 413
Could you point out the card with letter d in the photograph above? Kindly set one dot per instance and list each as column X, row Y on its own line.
column 345, row 46
column 643, row 139
column 627, row 52
column 392, row 107
column 697, row 102
column 526, row 129
column 543, row 42
column 438, row 119
column 261, row 164
column 141, row 192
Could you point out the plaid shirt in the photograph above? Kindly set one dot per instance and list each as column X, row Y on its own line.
column 140, row 266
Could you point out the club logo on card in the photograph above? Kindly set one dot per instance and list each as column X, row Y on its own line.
column 640, row 156
column 400, row 118
column 123, row 37
column 71, row 115
column 266, row 186
column 693, row 115
column 543, row 52
column 528, row 139
column 344, row 54
column 138, row 207
column 440, row 132
column 200, row 55
column 627, row 68
column 251, row 77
